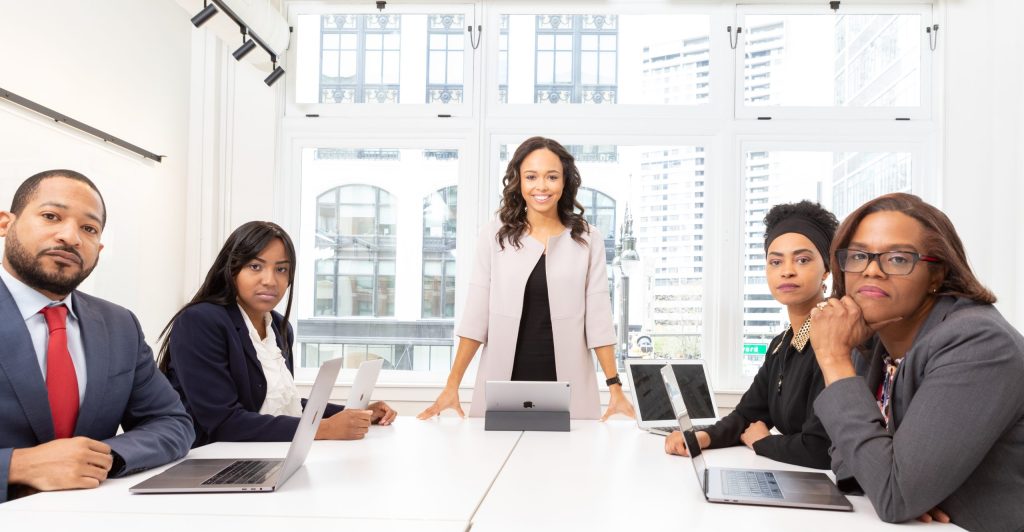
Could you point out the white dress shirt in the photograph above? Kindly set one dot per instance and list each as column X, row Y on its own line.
column 30, row 303
column 282, row 395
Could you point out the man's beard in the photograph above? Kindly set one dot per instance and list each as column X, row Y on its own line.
column 31, row 272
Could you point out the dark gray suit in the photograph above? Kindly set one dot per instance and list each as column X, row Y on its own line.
column 125, row 389
column 956, row 436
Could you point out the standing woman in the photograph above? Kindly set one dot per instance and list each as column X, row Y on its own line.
column 796, row 244
column 931, row 422
column 229, row 354
column 538, row 299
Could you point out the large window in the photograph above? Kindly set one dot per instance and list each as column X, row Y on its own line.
column 351, row 56
column 603, row 59
column 839, row 181
column 380, row 282
column 685, row 134
column 856, row 59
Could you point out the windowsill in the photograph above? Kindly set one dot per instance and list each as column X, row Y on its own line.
column 421, row 395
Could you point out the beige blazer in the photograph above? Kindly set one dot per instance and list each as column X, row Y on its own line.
column 581, row 312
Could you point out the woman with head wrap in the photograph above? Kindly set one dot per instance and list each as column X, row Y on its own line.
column 797, row 241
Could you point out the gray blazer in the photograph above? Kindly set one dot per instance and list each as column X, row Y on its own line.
column 581, row 310
column 125, row 389
column 956, row 436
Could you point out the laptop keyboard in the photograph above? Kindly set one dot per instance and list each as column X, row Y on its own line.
column 751, row 484
column 242, row 472
column 668, row 429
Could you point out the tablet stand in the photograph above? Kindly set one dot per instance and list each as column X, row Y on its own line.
column 526, row 420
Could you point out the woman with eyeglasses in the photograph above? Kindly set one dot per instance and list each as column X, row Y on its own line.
column 796, row 245
column 931, row 422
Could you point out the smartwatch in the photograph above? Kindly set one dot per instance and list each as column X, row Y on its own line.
column 614, row 380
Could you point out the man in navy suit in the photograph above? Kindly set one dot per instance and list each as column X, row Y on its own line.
column 72, row 367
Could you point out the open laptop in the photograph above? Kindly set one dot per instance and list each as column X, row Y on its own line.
column 536, row 396
column 654, row 412
column 253, row 474
column 363, row 384
column 794, row 489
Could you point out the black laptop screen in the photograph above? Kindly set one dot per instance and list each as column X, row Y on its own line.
column 653, row 400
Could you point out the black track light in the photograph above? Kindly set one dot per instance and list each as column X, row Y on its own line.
column 277, row 73
column 208, row 12
column 246, row 47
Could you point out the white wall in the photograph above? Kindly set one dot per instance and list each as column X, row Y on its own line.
column 984, row 142
column 121, row 66
column 142, row 72
column 233, row 121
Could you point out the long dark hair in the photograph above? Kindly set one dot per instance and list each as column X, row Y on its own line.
column 940, row 241
column 512, row 209
column 244, row 245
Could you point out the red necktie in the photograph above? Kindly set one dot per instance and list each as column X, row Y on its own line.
column 61, row 382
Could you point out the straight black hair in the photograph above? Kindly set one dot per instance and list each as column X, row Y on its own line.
column 244, row 245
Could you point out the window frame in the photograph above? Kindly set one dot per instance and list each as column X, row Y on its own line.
column 717, row 127
column 922, row 112
column 718, row 15
column 466, row 108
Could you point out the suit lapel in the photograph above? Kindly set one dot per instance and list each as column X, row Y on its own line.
column 277, row 322
column 243, row 333
column 96, row 341
column 19, row 362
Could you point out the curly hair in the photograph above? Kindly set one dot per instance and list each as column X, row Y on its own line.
column 819, row 217
column 512, row 209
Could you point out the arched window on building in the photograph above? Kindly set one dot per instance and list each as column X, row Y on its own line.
column 356, row 229
column 439, row 210
column 599, row 210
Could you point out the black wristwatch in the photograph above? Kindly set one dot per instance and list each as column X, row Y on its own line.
column 614, row 380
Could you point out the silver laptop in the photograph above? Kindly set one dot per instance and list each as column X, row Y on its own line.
column 363, row 384
column 654, row 412
column 794, row 489
column 256, row 474
column 536, row 396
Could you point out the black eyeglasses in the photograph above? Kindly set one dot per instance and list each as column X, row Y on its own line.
column 890, row 262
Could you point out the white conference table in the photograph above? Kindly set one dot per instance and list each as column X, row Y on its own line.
column 413, row 475
column 612, row 476
column 449, row 475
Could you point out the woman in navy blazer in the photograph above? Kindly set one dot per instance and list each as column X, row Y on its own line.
column 211, row 356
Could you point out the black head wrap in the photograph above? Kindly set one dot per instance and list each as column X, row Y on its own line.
column 818, row 236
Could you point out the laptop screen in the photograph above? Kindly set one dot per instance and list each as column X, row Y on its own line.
column 652, row 400
column 685, row 426
column 696, row 456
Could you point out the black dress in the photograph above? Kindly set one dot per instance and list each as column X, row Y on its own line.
column 535, row 345
column 782, row 395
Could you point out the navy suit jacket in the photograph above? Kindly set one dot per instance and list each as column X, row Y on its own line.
column 214, row 367
column 124, row 389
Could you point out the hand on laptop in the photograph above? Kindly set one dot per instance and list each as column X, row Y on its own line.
column 382, row 413
column 349, row 424
column 618, row 404
column 449, row 398
column 674, row 443
column 755, row 432
column 67, row 463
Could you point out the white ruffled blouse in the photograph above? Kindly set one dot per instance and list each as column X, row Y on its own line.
column 282, row 395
